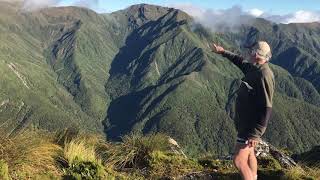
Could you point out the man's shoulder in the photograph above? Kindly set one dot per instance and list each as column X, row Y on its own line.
column 266, row 72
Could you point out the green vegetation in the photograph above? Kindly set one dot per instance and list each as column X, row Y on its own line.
column 147, row 69
column 310, row 158
column 87, row 156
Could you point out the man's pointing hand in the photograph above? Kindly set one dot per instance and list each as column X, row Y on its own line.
column 217, row 49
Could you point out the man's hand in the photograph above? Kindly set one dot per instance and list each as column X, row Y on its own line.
column 253, row 142
column 217, row 49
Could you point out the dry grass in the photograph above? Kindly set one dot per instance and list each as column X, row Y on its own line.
column 299, row 172
column 313, row 172
column 40, row 161
column 29, row 153
column 135, row 150
column 41, row 155
column 4, row 170
column 77, row 150
column 294, row 173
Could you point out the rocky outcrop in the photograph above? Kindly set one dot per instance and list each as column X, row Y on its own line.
column 265, row 149
column 175, row 147
column 270, row 159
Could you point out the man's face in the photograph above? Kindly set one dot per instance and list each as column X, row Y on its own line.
column 252, row 56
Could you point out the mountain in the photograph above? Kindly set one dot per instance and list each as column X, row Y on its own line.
column 148, row 69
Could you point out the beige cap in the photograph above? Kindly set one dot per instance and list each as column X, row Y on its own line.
column 263, row 50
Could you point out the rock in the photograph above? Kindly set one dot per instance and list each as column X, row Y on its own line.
column 175, row 148
column 264, row 149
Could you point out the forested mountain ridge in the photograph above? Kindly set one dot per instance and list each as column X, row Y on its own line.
column 148, row 69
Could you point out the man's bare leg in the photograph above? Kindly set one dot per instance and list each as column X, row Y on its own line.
column 252, row 161
column 241, row 159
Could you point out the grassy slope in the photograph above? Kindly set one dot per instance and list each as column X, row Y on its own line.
column 74, row 155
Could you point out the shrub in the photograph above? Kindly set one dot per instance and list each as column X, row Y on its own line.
column 268, row 163
column 84, row 170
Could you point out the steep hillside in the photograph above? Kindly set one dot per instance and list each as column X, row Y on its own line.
column 148, row 69
column 54, row 68
column 193, row 97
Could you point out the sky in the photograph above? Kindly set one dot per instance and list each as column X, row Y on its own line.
column 279, row 7
column 279, row 11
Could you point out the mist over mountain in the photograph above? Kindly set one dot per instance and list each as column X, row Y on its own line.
column 148, row 69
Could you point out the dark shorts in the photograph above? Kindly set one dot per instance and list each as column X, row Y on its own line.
column 242, row 141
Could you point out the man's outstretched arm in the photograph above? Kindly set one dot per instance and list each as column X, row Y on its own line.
column 234, row 58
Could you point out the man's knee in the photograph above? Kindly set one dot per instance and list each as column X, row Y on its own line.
column 241, row 156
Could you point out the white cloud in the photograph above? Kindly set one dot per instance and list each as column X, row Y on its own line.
column 87, row 3
column 191, row 9
column 37, row 4
column 11, row 0
column 234, row 17
column 302, row 17
column 255, row 12
column 218, row 20
column 31, row 5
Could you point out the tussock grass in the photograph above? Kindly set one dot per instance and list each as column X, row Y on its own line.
column 313, row 172
column 29, row 153
column 78, row 150
column 40, row 160
column 297, row 173
column 71, row 154
column 4, row 171
column 150, row 156
column 135, row 150
column 79, row 159
column 66, row 135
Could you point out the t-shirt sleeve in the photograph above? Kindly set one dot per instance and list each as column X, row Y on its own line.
column 237, row 60
column 266, row 91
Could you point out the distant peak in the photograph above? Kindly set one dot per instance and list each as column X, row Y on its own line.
column 140, row 13
column 147, row 7
column 146, row 10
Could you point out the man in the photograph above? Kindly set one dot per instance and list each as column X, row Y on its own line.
column 253, row 104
